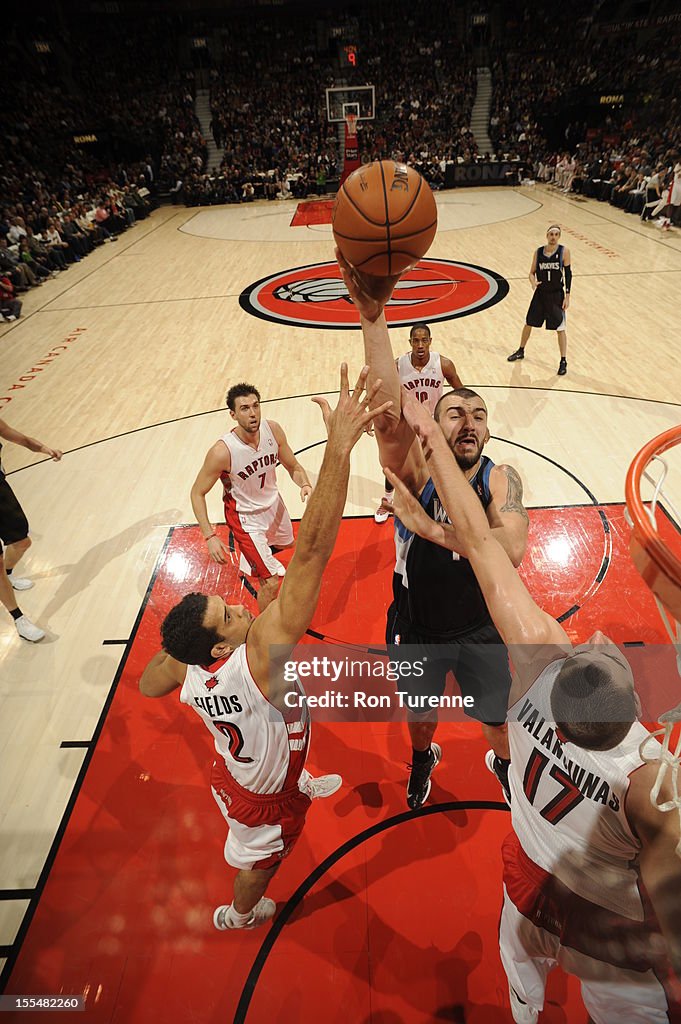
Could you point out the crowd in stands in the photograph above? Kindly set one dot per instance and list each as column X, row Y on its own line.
column 268, row 104
column 41, row 235
column 72, row 175
column 628, row 160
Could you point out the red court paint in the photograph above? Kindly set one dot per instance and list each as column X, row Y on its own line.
column 401, row 929
column 314, row 211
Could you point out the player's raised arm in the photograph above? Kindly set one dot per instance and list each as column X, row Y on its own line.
column 522, row 624
column 286, row 619
column 397, row 445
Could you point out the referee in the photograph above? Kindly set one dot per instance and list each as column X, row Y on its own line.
column 14, row 535
column 551, row 280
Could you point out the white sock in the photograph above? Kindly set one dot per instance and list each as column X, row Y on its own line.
column 238, row 918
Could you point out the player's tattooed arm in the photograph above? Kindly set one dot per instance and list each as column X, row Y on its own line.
column 506, row 514
column 514, row 493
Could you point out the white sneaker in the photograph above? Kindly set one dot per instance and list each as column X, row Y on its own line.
column 317, row 788
column 384, row 510
column 21, row 583
column 522, row 1012
column 28, row 630
column 262, row 912
column 10, row 319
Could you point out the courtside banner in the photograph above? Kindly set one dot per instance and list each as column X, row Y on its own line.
column 315, row 296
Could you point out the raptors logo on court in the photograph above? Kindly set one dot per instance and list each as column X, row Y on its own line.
column 315, row 296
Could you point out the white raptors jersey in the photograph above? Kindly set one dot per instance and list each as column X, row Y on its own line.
column 567, row 803
column 262, row 750
column 252, row 482
column 426, row 383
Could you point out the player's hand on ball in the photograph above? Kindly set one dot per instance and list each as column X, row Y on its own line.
column 347, row 422
column 217, row 551
column 368, row 293
column 305, row 492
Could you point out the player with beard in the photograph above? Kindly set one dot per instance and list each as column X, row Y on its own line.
column 437, row 603
column 245, row 461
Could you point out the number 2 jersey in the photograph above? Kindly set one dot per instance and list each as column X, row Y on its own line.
column 425, row 384
column 263, row 750
column 251, row 484
column 568, row 804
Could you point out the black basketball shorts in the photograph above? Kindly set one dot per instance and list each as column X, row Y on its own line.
column 13, row 522
column 478, row 661
column 546, row 307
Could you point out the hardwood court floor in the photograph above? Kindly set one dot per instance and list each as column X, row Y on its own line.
column 124, row 361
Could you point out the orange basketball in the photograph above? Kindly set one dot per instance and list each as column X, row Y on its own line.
column 384, row 218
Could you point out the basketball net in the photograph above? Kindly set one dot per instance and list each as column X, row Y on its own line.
column 351, row 149
column 669, row 758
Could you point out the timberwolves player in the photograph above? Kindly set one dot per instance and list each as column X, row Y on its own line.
column 437, row 604
column 551, row 279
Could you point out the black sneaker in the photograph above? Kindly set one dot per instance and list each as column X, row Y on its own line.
column 499, row 769
column 562, row 367
column 418, row 786
column 518, row 354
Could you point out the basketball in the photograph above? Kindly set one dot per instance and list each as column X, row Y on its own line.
column 384, row 218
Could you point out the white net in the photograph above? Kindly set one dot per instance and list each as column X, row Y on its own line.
column 669, row 756
column 669, row 763
column 351, row 122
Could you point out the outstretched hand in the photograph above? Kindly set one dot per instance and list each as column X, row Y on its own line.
column 417, row 416
column 407, row 508
column 368, row 293
column 347, row 422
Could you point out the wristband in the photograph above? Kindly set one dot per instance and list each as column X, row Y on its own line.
column 210, row 536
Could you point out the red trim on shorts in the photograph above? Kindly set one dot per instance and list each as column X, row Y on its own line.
column 297, row 758
column 582, row 925
column 288, row 809
column 245, row 541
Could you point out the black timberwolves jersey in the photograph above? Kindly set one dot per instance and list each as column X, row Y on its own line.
column 435, row 590
column 550, row 269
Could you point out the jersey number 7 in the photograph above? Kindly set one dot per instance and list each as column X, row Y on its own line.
column 566, row 799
